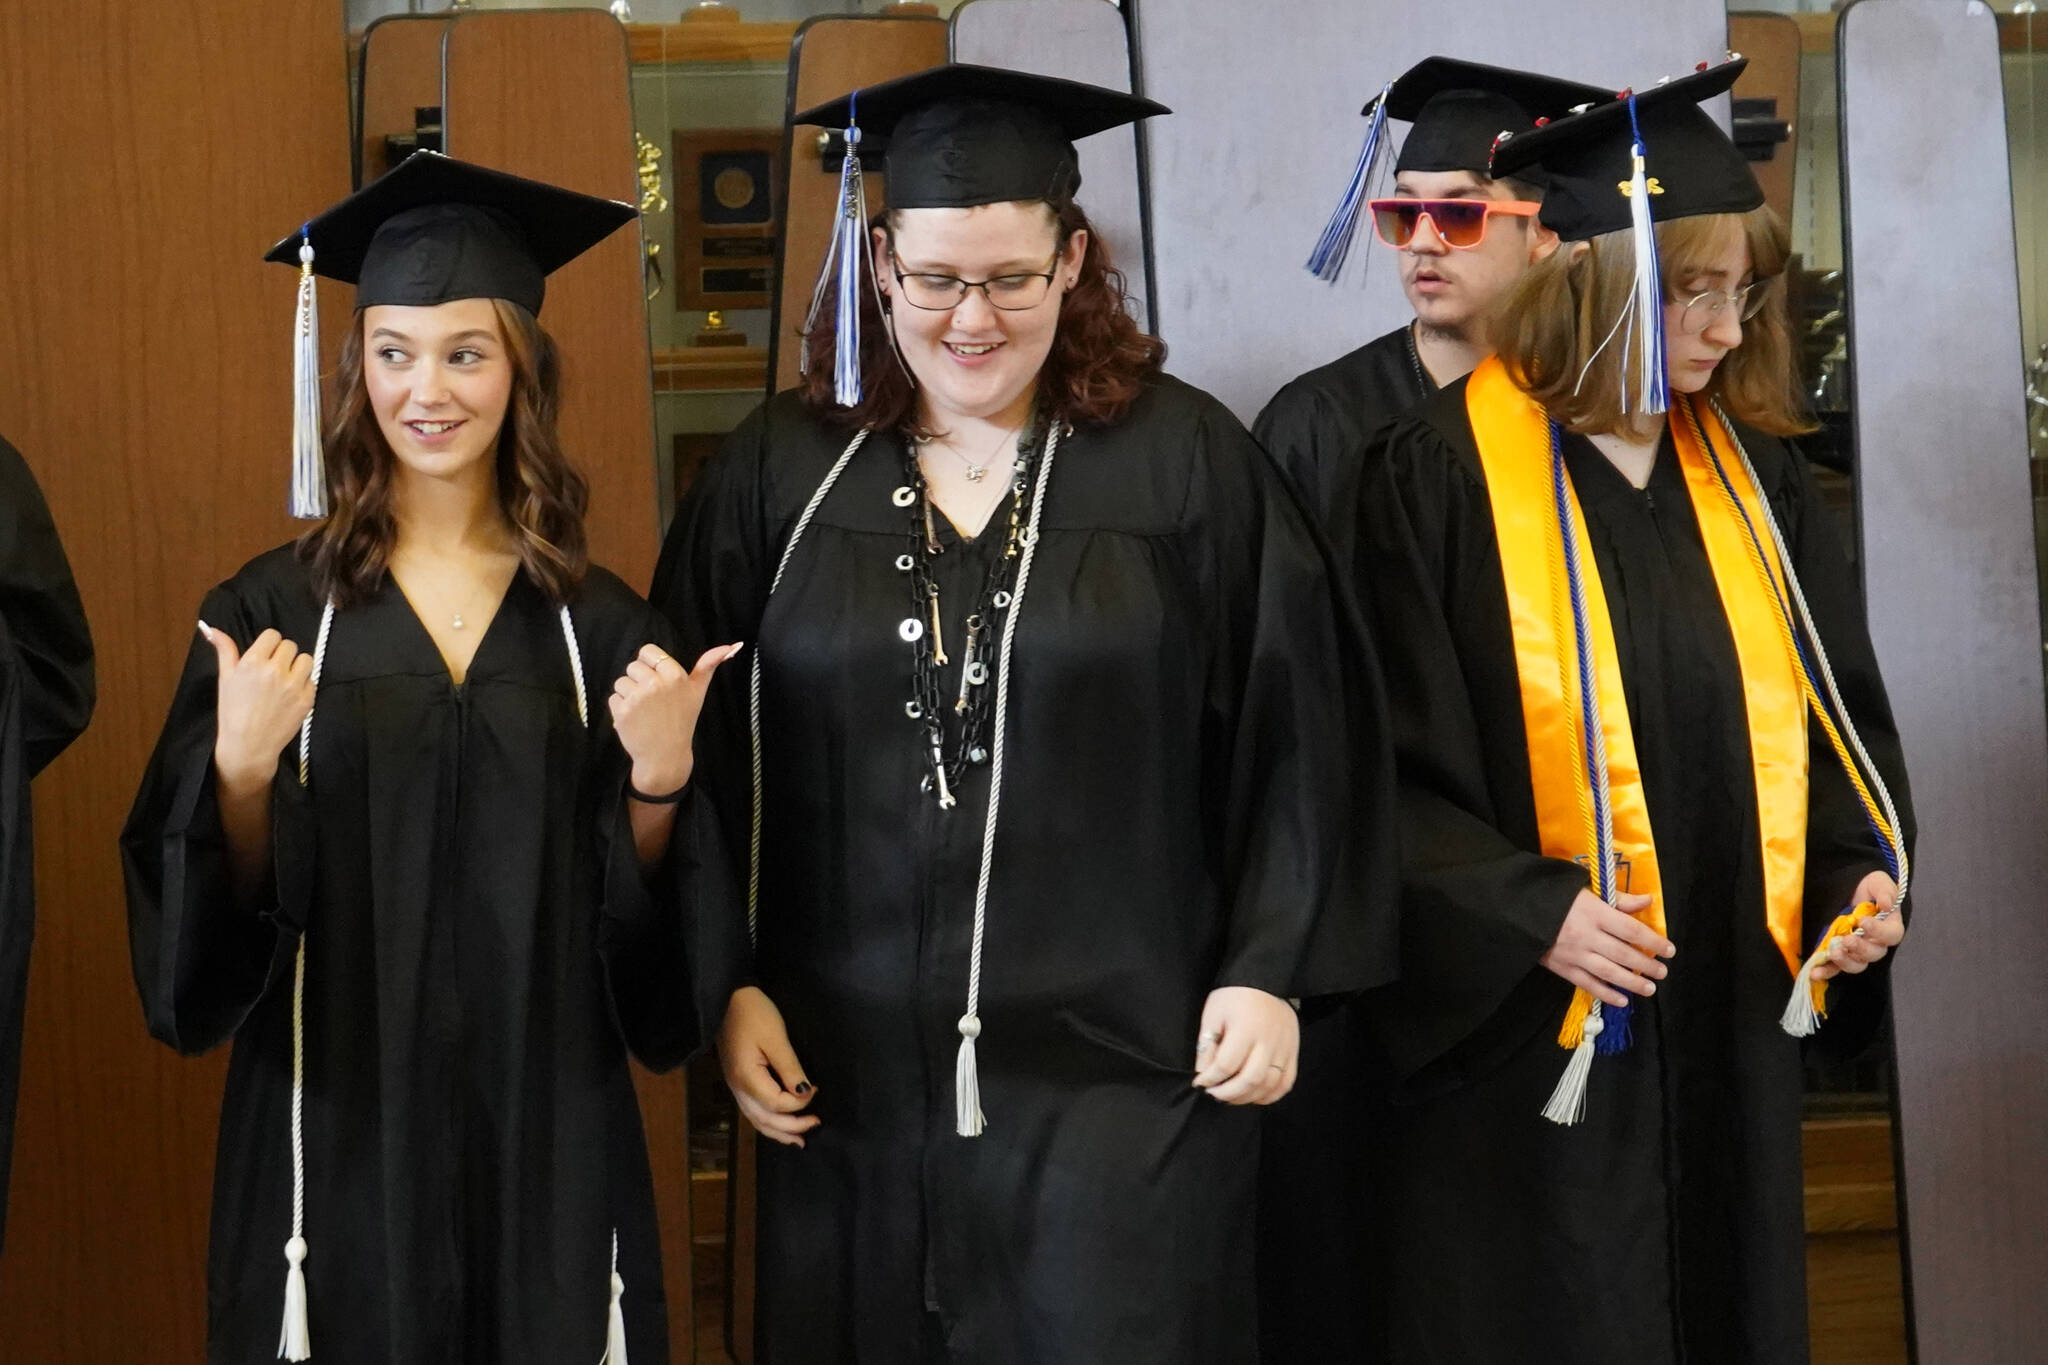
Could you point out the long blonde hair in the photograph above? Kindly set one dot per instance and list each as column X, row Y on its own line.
column 1558, row 313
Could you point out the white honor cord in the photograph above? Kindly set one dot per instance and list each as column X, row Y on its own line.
column 1820, row 656
column 796, row 534
column 968, row 1119
column 294, row 1336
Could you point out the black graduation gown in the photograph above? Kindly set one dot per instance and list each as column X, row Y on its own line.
column 482, row 950
column 1324, row 419
column 1185, row 788
column 1668, row 1226
column 46, row 697
column 1314, row 1156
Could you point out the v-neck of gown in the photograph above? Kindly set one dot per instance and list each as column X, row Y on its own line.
column 483, row 638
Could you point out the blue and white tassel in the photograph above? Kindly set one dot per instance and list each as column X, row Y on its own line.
column 1647, row 293
column 1326, row 262
column 309, row 478
column 841, row 273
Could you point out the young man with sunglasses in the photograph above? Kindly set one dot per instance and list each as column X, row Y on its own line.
column 1463, row 239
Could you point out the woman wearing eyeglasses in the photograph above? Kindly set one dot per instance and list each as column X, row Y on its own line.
column 1653, row 803
column 1070, row 774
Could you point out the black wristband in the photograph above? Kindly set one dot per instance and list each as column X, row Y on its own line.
column 671, row 799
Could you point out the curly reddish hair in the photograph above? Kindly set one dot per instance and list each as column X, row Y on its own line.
column 1099, row 362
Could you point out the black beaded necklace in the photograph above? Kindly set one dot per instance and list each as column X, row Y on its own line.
column 971, row 703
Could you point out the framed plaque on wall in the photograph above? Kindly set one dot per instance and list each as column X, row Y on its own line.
column 726, row 211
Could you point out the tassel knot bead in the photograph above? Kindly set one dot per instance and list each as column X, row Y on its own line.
column 295, row 1252
column 970, row 1026
column 1593, row 1028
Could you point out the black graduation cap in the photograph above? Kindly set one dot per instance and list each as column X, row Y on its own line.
column 1457, row 109
column 959, row 135
column 434, row 229
column 429, row 231
column 1690, row 166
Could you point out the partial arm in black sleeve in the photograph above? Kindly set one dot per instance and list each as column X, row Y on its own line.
column 203, row 956
column 44, row 642
column 1302, row 741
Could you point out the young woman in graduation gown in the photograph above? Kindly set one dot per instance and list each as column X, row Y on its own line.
column 1069, row 776
column 416, row 836
column 1650, row 1211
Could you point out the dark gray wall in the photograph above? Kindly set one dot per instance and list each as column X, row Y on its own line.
column 1949, row 530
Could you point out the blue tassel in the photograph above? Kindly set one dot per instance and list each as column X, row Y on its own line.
column 848, row 249
column 1616, row 1035
column 1326, row 262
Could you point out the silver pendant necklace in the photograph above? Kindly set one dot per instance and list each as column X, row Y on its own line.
column 975, row 472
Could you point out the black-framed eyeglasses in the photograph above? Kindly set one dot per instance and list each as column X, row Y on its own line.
column 943, row 293
column 1706, row 308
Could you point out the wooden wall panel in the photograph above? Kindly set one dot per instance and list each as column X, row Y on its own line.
column 155, row 151
column 830, row 57
column 400, row 73
column 1771, row 42
column 546, row 94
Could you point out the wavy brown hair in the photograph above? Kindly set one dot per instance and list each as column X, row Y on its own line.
column 1099, row 362
column 542, row 495
column 1557, row 315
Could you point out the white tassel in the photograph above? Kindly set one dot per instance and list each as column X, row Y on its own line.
column 1800, row 1018
column 294, row 1340
column 968, row 1120
column 1568, row 1102
column 615, row 1322
column 309, row 478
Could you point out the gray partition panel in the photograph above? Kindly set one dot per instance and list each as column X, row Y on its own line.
column 1951, row 577
column 1265, row 130
column 1080, row 40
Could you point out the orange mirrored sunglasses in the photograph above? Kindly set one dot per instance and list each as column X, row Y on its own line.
column 1456, row 222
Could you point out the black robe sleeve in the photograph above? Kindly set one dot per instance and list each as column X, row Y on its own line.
column 46, row 661
column 712, row 584
column 46, row 697
column 1841, row 847
column 1298, row 710
column 652, row 928
column 203, row 956
column 1478, row 908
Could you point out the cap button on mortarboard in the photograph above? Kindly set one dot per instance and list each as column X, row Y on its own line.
column 1702, row 66
column 1543, row 123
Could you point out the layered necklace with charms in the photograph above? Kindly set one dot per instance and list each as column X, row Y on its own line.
column 924, row 630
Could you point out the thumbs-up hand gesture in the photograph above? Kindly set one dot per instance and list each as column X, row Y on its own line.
column 265, row 693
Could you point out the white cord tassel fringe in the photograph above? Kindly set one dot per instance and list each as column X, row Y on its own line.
column 615, row 1323
column 968, row 1120
column 309, row 477
column 1568, row 1102
column 1800, row 1018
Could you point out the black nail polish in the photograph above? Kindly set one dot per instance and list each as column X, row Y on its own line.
column 803, row 1087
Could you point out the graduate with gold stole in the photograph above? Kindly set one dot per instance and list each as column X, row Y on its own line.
column 1653, row 801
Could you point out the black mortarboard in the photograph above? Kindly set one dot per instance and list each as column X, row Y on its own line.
column 1691, row 167
column 1457, row 109
column 434, row 229
column 429, row 231
column 960, row 135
